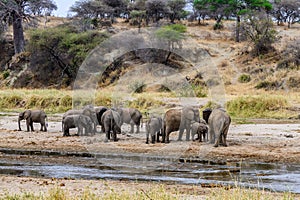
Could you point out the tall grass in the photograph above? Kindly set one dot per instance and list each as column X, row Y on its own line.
column 56, row 101
column 261, row 106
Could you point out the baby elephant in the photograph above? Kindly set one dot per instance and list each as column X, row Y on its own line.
column 153, row 127
column 79, row 121
column 200, row 129
column 36, row 116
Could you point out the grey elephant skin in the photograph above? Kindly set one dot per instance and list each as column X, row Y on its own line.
column 99, row 112
column 77, row 121
column 33, row 116
column 87, row 111
column 112, row 122
column 153, row 128
column 200, row 129
column 131, row 116
column 179, row 119
column 218, row 125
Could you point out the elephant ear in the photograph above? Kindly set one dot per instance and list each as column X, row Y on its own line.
column 188, row 113
column 21, row 115
column 27, row 114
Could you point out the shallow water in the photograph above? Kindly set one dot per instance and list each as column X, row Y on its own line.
column 274, row 177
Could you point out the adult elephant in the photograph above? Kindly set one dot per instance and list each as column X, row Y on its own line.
column 111, row 121
column 87, row 111
column 218, row 125
column 36, row 116
column 179, row 119
column 131, row 116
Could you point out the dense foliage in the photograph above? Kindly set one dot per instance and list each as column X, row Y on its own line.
column 61, row 50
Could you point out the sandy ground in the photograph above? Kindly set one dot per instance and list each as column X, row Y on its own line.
column 261, row 141
column 275, row 141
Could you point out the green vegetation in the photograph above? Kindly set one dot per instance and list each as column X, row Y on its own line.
column 244, row 78
column 58, row 52
column 172, row 34
column 50, row 100
column 199, row 90
column 5, row 74
column 259, row 107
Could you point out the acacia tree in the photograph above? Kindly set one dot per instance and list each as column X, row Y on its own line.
column 176, row 9
column 156, row 9
column 14, row 12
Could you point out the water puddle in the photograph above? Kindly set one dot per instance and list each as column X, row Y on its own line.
column 274, row 177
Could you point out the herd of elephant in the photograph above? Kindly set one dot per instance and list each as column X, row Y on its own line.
column 215, row 123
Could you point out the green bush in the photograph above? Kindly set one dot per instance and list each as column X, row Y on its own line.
column 268, row 85
column 199, row 90
column 244, row 78
column 5, row 74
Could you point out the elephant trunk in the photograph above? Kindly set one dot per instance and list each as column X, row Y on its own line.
column 19, row 123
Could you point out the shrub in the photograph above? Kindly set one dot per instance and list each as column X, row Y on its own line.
column 244, row 78
column 290, row 56
column 5, row 74
column 268, row 85
column 199, row 90
column 259, row 30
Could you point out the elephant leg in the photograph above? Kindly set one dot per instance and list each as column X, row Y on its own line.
column 217, row 139
column 45, row 127
column 200, row 137
column 114, row 135
column 153, row 138
column 137, row 129
column 147, row 137
column 132, row 127
column 180, row 134
column 188, row 132
column 211, row 136
column 27, row 124
column 157, row 136
column 225, row 136
column 107, row 136
column 66, row 131
column 167, row 134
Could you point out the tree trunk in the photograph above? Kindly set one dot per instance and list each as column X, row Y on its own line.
column 237, row 30
column 19, row 41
